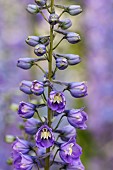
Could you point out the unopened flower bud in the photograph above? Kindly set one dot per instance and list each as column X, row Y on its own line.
column 41, row 2
column 40, row 49
column 25, row 63
column 31, row 126
column 33, row 9
column 26, row 110
column 65, row 24
column 71, row 58
column 72, row 37
column 53, row 19
column 44, row 40
column 77, row 89
column 74, row 10
column 61, row 63
column 77, row 118
column 37, row 87
column 25, row 86
column 60, row 31
column 32, row 40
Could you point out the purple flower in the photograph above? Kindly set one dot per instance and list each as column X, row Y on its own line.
column 53, row 19
column 40, row 49
column 22, row 146
column 33, row 9
column 37, row 87
column 32, row 40
column 31, row 126
column 77, row 165
column 44, row 137
column 65, row 24
column 26, row 162
column 25, row 86
column 56, row 101
column 66, row 132
column 74, row 10
column 16, row 160
column 77, row 118
column 61, row 63
column 70, row 151
column 41, row 2
column 72, row 37
column 77, row 89
column 26, row 110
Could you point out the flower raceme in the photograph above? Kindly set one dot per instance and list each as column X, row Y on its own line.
column 43, row 135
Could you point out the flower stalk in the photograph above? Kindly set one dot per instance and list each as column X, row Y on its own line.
column 50, row 141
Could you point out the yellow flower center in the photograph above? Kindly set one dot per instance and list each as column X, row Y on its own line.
column 37, row 86
column 57, row 98
column 69, row 149
column 24, row 109
column 45, row 134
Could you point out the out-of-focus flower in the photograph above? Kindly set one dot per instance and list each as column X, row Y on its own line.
column 37, row 87
column 73, row 10
column 41, row 2
column 26, row 110
column 77, row 89
column 33, row 9
column 22, row 146
column 26, row 162
column 76, row 166
column 25, row 86
column 77, row 118
column 53, row 19
column 70, row 151
column 56, row 101
column 40, row 49
column 44, row 137
column 31, row 126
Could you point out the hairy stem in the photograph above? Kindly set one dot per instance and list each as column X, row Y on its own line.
column 47, row 161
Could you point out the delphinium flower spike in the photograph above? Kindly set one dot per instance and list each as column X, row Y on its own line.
column 44, row 142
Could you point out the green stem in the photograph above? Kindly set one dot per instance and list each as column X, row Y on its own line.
column 59, row 122
column 43, row 16
column 39, row 116
column 54, row 156
column 40, row 68
column 47, row 160
column 58, row 43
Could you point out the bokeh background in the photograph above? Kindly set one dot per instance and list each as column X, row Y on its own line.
column 95, row 26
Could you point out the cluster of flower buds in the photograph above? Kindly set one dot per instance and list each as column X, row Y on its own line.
column 44, row 143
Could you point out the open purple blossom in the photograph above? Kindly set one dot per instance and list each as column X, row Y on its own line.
column 32, row 125
column 56, row 101
column 77, row 89
column 77, row 118
column 44, row 137
column 26, row 110
column 70, row 151
column 37, row 87
column 22, row 146
column 16, row 160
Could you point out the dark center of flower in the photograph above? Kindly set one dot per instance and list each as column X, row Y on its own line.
column 45, row 134
column 69, row 149
column 57, row 98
